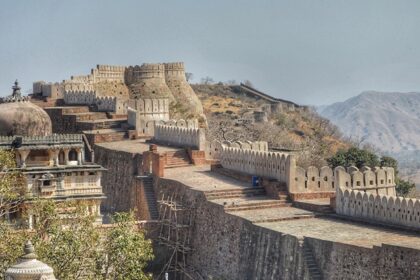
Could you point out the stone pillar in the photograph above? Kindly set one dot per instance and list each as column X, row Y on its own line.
column 66, row 156
column 23, row 155
column 55, row 154
column 79, row 157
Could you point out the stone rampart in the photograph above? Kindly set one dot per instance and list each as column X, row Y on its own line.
column 271, row 165
column 180, row 136
column 79, row 97
column 103, row 103
column 181, row 89
column 239, row 249
column 313, row 180
column 148, row 81
column 394, row 210
column 111, row 104
column 108, row 73
column 214, row 148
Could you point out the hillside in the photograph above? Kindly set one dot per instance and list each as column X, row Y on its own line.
column 389, row 121
column 233, row 116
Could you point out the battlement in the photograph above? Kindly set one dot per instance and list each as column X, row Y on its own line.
column 380, row 208
column 180, row 136
column 381, row 180
column 174, row 70
column 273, row 165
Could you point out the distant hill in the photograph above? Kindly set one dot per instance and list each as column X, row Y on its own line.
column 388, row 120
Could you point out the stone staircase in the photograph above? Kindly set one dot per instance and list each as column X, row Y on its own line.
column 309, row 259
column 255, row 204
column 235, row 193
column 150, row 197
column 244, row 199
column 177, row 158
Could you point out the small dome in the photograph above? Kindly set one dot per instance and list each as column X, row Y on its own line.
column 21, row 117
column 29, row 268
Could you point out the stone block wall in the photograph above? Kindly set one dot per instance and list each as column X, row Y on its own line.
column 378, row 208
column 118, row 182
column 215, row 147
column 180, row 136
column 271, row 165
column 238, row 249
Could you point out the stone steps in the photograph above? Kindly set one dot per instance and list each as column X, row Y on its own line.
column 310, row 262
column 235, row 193
column 280, row 219
column 255, row 206
column 177, row 158
column 150, row 198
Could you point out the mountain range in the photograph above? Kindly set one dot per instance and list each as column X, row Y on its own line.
column 390, row 121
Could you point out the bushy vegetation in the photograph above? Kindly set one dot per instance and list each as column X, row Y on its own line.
column 229, row 115
column 363, row 157
column 65, row 236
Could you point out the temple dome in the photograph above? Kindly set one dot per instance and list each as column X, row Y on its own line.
column 21, row 117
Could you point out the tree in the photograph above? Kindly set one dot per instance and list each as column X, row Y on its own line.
column 354, row 156
column 127, row 251
column 189, row 76
column 12, row 187
column 363, row 157
column 68, row 242
column 207, row 81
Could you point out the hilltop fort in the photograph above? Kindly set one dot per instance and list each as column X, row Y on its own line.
column 230, row 209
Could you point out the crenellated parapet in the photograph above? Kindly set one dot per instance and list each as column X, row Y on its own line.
column 108, row 73
column 111, row 104
column 215, row 147
column 273, row 165
column 324, row 179
column 175, row 70
column 379, row 208
column 148, row 81
column 180, row 136
column 79, row 97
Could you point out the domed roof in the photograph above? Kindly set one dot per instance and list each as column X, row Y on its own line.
column 28, row 267
column 21, row 117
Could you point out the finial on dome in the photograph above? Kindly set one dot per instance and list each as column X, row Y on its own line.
column 29, row 251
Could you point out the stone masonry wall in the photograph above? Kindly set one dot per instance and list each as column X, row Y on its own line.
column 118, row 182
column 229, row 247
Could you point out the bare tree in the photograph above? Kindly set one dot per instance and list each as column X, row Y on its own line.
column 207, row 81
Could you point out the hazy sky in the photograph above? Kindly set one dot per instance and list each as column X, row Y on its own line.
column 311, row 52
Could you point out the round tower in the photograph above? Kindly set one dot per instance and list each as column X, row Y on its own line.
column 181, row 89
column 148, row 81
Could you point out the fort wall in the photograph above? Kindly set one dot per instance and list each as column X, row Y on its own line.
column 148, row 81
column 379, row 208
column 102, row 103
column 180, row 136
column 118, row 182
column 238, row 249
column 181, row 89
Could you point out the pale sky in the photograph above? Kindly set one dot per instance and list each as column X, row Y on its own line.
column 311, row 52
